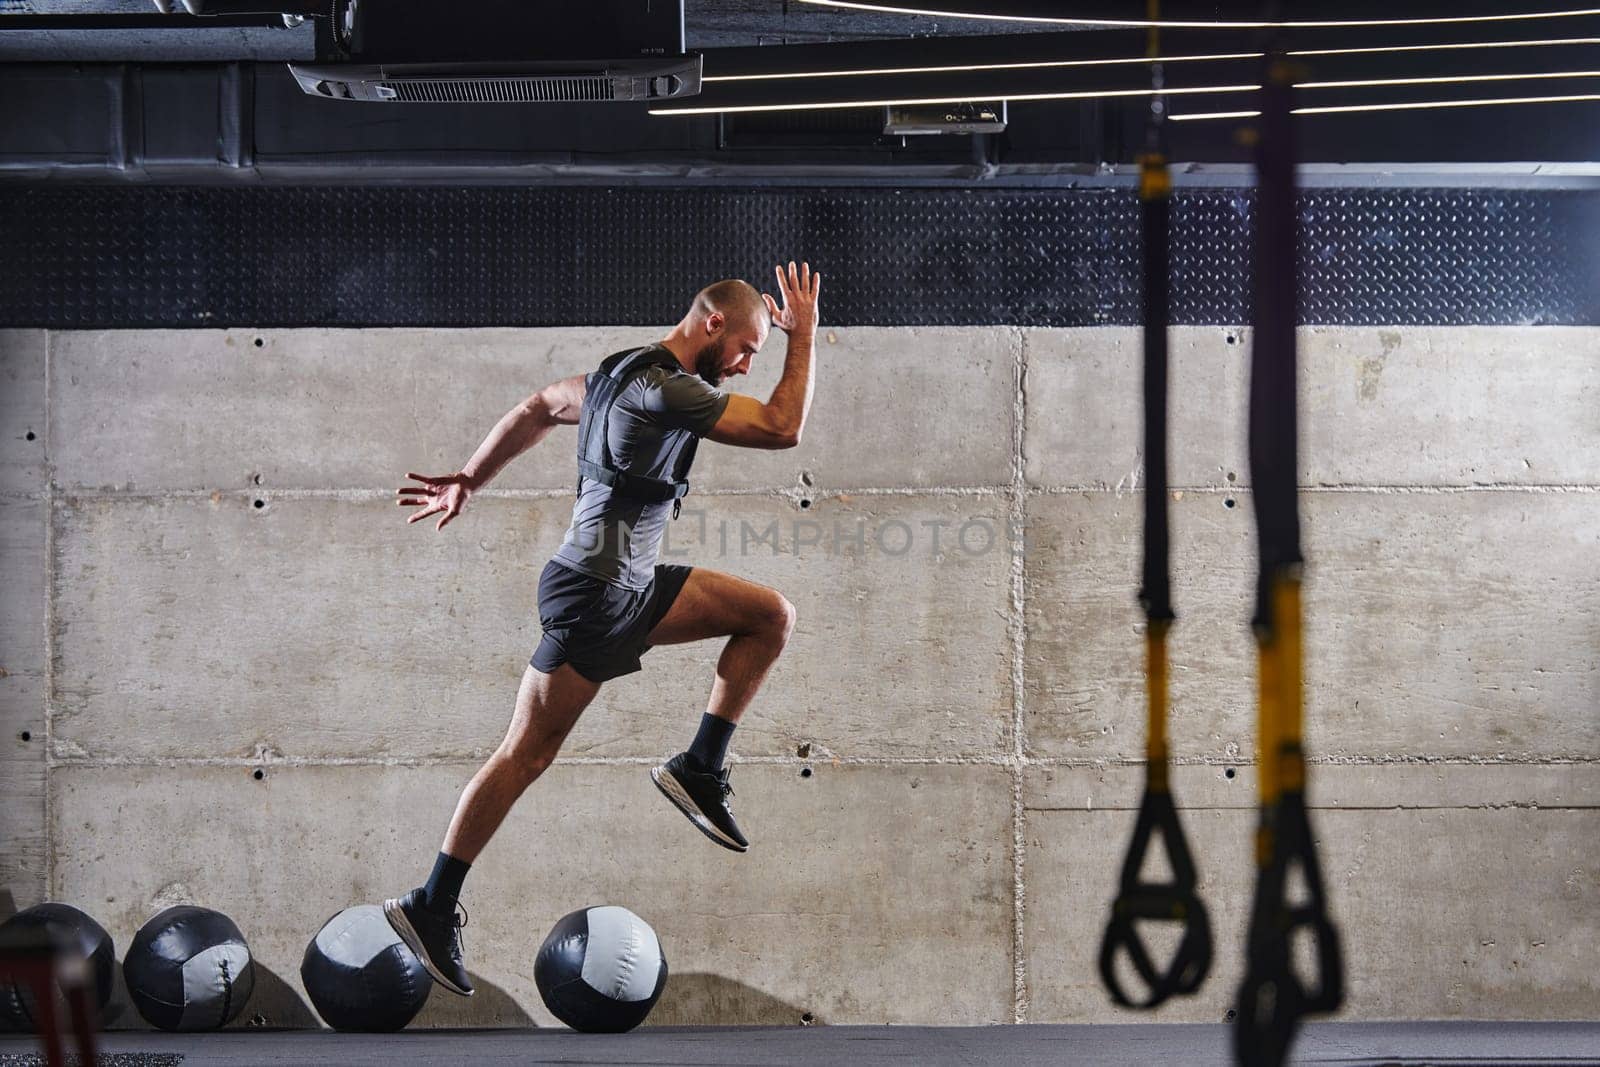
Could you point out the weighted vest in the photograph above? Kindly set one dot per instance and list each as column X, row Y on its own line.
column 594, row 449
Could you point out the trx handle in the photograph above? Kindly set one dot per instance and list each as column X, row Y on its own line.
column 1174, row 901
column 1272, row 999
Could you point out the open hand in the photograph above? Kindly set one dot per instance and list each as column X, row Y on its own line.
column 800, row 289
column 447, row 493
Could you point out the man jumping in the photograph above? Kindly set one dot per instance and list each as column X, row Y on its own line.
column 603, row 599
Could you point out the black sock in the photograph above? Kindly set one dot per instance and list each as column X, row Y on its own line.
column 444, row 884
column 711, row 742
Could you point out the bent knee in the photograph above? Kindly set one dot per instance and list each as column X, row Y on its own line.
column 779, row 617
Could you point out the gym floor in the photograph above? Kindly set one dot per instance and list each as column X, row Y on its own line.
column 1459, row 1044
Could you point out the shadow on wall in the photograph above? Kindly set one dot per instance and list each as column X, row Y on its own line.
column 120, row 1013
column 712, row 1000
column 489, row 1005
column 274, row 1005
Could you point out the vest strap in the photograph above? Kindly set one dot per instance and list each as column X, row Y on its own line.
column 594, row 453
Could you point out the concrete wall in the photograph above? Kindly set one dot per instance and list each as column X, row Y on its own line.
column 245, row 682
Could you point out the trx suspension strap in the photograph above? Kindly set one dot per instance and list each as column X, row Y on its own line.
column 1137, row 900
column 1273, row 998
column 594, row 449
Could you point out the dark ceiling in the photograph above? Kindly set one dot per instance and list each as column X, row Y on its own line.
column 707, row 24
column 188, row 104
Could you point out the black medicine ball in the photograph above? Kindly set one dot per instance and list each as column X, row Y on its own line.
column 361, row 976
column 601, row 970
column 189, row 969
column 68, row 930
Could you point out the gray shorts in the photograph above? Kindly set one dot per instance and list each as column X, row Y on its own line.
column 600, row 628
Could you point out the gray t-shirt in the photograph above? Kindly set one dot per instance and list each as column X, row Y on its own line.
column 653, row 419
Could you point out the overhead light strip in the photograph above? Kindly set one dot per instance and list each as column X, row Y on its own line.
column 1453, row 79
column 1420, row 105
column 1216, row 24
column 962, row 68
column 1440, row 47
column 1129, row 60
column 1090, row 94
column 1093, row 94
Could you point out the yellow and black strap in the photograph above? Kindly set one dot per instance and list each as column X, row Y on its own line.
column 1272, row 998
column 1138, row 900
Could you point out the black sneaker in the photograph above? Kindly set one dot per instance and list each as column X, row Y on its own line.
column 703, row 797
column 435, row 937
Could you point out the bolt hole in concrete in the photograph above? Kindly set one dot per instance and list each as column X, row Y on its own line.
column 263, row 503
column 1229, row 1016
column 1228, row 773
column 805, row 772
column 1230, row 338
column 1232, row 477
column 32, row 436
column 26, row 735
column 807, row 1019
column 1228, row 503
column 260, row 342
column 805, row 503
column 258, row 774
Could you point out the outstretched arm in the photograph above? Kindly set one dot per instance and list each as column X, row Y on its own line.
column 748, row 422
column 524, row 426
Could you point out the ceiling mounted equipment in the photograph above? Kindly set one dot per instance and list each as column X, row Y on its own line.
column 488, row 51
column 946, row 118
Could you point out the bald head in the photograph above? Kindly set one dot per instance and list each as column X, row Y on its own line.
column 738, row 301
column 725, row 327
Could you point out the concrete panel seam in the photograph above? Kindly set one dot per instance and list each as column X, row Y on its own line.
column 1017, row 624
column 776, row 492
column 475, row 759
column 1007, row 761
column 1328, row 805
column 1325, row 760
column 1353, row 488
column 1445, row 490
column 792, row 494
column 50, row 888
column 1499, row 759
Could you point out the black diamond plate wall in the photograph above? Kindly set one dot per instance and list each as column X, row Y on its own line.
column 97, row 256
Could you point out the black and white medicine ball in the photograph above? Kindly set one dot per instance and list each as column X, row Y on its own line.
column 361, row 976
column 601, row 970
column 68, row 930
column 189, row 969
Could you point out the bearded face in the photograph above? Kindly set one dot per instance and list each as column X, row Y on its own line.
column 729, row 350
column 711, row 362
